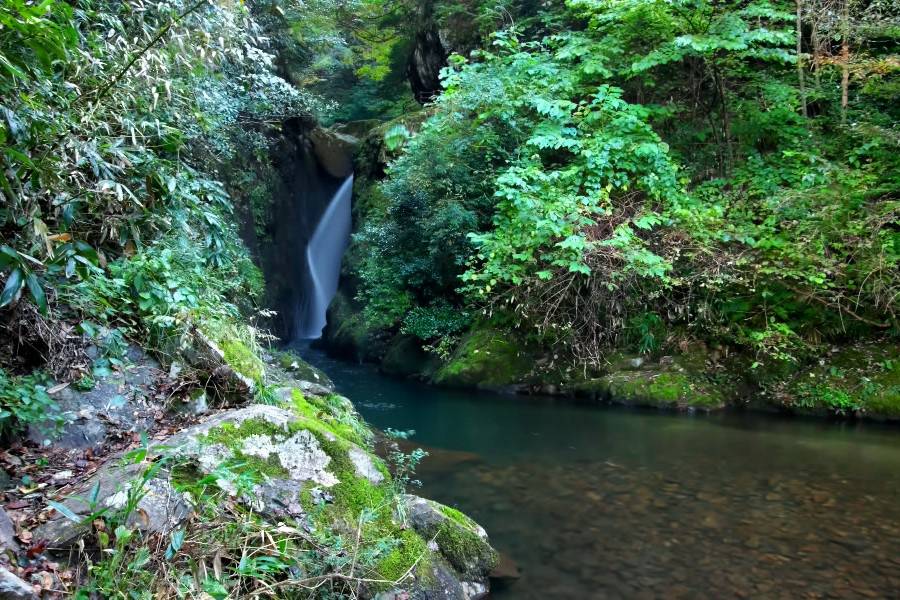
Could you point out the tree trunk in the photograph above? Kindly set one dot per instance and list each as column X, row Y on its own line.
column 801, row 76
column 428, row 55
column 814, row 40
column 845, row 59
column 719, row 82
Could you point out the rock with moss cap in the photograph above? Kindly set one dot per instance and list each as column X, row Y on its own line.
column 459, row 539
column 306, row 466
column 682, row 382
column 859, row 380
column 488, row 359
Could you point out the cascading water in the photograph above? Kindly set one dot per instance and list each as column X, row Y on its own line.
column 323, row 256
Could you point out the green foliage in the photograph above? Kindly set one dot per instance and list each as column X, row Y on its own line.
column 649, row 167
column 433, row 322
column 832, row 399
column 24, row 401
column 103, row 155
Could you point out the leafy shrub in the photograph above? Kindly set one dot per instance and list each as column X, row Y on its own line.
column 24, row 401
column 429, row 323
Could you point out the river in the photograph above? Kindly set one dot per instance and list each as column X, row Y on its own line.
column 605, row 502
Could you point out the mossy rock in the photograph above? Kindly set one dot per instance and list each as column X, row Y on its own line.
column 240, row 357
column 286, row 366
column 346, row 333
column 487, row 358
column 861, row 380
column 680, row 382
column 461, row 541
column 666, row 389
column 406, row 358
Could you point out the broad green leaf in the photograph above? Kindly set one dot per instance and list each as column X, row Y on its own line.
column 14, row 284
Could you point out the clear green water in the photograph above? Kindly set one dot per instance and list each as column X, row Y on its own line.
column 595, row 502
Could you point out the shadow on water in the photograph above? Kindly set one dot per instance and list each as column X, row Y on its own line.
column 618, row 503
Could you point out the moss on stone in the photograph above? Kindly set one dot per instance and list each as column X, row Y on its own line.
column 325, row 414
column 296, row 367
column 662, row 389
column 458, row 517
column 411, row 550
column 242, row 359
column 861, row 379
column 463, row 547
column 405, row 357
column 232, row 437
column 881, row 393
column 487, row 358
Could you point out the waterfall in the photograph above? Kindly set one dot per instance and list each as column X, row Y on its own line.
column 323, row 257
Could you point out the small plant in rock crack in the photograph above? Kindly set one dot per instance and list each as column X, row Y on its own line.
column 403, row 466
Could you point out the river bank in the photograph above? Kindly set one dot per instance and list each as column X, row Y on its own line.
column 621, row 502
column 860, row 380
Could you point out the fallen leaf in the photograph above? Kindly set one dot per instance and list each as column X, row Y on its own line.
column 57, row 388
column 35, row 549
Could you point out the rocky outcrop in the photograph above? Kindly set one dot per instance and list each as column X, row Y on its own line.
column 681, row 381
column 334, row 150
column 116, row 402
column 13, row 588
column 461, row 541
column 303, row 465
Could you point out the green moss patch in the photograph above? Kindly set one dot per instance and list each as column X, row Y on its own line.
column 232, row 437
column 333, row 416
column 410, row 549
column 242, row 359
column 464, row 548
column 662, row 389
column 297, row 367
column 863, row 379
column 487, row 358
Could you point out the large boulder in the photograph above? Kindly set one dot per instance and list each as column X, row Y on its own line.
column 117, row 402
column 488, row 359
column 684, row 381
column 334, row 151
column 303, row 467
column 460, row 540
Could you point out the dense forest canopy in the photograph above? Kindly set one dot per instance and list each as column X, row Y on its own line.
column 618, row 173
column 561, row 188
column 597, row 174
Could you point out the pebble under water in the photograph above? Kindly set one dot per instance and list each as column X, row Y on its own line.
column 595, row 502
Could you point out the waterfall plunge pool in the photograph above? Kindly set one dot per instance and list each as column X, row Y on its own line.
column 597, row 502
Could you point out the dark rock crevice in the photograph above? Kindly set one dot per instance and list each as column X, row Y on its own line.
column 428, row 56
column 310, row 163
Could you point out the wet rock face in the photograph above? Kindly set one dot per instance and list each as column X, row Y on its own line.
column 334, row 151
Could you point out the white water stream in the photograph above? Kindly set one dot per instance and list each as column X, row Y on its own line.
column 323, row 255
